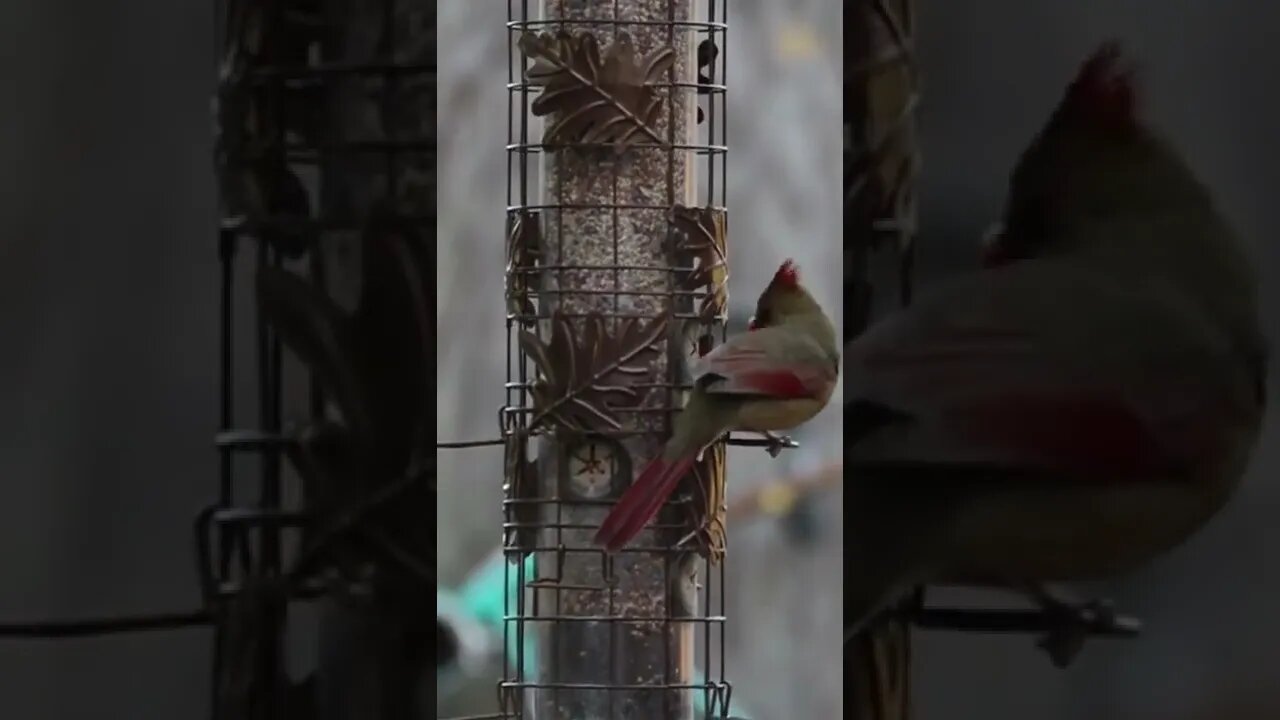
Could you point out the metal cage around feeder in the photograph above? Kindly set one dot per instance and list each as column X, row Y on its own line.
column 325, row 124
column 616, row 275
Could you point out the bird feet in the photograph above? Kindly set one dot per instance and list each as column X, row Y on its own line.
column 1071, row 623
column 777, row 443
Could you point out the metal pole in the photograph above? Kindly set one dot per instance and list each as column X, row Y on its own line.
column 880, row 100
column 616, row 274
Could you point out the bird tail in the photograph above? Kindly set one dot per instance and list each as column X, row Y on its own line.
column 698, row 425
column 642, row 500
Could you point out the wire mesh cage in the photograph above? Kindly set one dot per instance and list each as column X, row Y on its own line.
column 324, row 116
column 616, row 275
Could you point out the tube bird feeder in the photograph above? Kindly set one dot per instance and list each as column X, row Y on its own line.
column 616, row 275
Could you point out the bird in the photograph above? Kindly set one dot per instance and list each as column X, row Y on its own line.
column 776, row 376
column 1083, row 404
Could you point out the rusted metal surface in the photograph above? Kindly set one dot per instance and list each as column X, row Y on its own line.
column 616, row 276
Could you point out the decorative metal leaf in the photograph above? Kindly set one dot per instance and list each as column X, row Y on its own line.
column 524, row 249
column 706, row 514
column 272, row 190
column 330, row 474
column 888, row 131
column 586, row 376
column 392, row 336
column 323, row 459
column 701, row 243
column 522, row 479
column 374, row 364
column 365, row 529
column 395, row 342
column 315, row 328
column 607, row 99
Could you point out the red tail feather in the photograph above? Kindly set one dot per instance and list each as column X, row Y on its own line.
column 641, row 502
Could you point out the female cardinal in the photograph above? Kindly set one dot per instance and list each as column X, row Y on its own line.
column 1084, row 404
column 774, row 377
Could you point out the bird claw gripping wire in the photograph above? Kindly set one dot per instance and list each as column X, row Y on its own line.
column 1071, row 623
column 777, row 443
column 1063, row 624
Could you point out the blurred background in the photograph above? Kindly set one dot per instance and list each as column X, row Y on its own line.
column 108, row 320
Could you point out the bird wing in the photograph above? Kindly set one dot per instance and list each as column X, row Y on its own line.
column 1038, row 367
column 774, row 362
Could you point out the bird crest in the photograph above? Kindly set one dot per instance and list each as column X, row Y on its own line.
column 787, row 276
column 1103, row 91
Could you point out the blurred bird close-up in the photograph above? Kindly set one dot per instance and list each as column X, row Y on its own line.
column 1082, row 405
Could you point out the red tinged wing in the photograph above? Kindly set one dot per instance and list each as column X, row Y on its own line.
column 1092, row 435
column 641, row 502
column 1039, row 369
column 770, row 362
column 782, row 384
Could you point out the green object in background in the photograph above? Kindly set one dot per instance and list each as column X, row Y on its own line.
column 482, row 596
